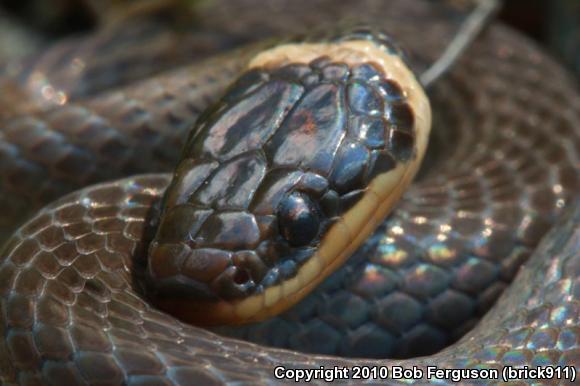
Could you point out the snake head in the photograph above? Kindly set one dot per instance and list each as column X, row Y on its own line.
column 283, row 178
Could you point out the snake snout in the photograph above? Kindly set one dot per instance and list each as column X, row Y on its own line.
column 206, row 252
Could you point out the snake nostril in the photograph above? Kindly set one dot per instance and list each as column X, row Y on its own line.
column 234, row 282
column 241, row 276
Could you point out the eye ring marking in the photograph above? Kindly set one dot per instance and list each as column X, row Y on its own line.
column 299, row 219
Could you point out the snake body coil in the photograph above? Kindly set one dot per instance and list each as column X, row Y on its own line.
column 501, row 169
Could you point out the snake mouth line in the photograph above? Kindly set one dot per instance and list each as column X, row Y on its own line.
column 352, row 227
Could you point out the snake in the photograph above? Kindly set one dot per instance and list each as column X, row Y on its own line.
column 290, row 156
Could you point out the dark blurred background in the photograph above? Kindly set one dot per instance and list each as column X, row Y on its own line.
column 553, row 23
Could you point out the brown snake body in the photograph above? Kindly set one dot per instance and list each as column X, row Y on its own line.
column 501, row 170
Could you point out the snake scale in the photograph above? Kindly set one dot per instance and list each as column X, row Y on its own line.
column 501, row 174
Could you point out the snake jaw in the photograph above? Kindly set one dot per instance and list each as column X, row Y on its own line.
column 304, row 156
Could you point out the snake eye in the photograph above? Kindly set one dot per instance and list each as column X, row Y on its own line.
column 298, row 219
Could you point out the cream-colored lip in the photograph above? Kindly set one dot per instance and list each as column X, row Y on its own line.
column 345, row 236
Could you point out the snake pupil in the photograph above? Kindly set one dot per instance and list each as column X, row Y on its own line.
column 298, row 219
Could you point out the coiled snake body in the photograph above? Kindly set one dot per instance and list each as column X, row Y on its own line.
column 501, row 170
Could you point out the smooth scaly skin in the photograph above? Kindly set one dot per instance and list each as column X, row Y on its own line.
column 536, row 322
column 153, row 115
